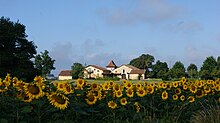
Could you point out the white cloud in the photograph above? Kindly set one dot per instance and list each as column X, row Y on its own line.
column 189, row 27
column 149, row 11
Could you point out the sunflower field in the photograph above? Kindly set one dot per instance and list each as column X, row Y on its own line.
column 71, row 102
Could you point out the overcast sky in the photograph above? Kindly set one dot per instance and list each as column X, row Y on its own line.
column 97, row 31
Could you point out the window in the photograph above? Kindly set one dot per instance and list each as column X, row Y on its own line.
column 123, row 71
column 97, row 70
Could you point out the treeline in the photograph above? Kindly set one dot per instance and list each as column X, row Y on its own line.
column 18, row 56
column 210, row 68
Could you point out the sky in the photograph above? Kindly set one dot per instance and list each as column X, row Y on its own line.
column 97, row 31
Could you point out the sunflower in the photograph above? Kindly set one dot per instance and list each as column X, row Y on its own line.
column 124, row 82
column 183, row 79
column 207, row 89
column 129, row 85
column 130, row 92
column 94, row 86
column 184, row 87
column 61, row 86
column 160, row 85
column 80, row 82
column 175, row 84
column 141, row 92
column 58, row 100
column 182, row 97
column 116, row 87
column 150, row 89
column 105, row 86
column 112, row 104
column 164, row 95
column 91, row 99
column 217, row 87
column 152, row 84
column 175, row 97
column 169, row 86
column 193, row 88
column 177, row 91
column 199, row 93
column 123, row 101
column 138, row 85
column 118, row 93
column 24, row 97
column 209, row 82
column 111, row 83
column 164, row 86
column 137, row 106
column 68, row 89
column 191, row 99
column 33, row 91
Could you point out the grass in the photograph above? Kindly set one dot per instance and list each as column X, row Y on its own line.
column 118, row 82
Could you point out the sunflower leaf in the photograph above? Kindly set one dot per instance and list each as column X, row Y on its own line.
column 26, row 109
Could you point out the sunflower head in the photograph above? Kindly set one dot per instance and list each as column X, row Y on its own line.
column 150, row 89
column 141, row 92
column 118, row 93
column 182, row 97
column 112, row 105
column 130, row 92
column 177, row 91
column 33, row 91
column 123, row 101
column 164, row 95
column 91, row 99
column 191, row 99
column 58, row 100
column 175, row 97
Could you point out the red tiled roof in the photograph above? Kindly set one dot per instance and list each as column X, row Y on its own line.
column 98, row 67
column 65, row 73
column 137, row 71
column 111, row 64
column 132, row 67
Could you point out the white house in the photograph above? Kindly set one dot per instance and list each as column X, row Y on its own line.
column 129, row 72
column 65, row 75
column 111, row 70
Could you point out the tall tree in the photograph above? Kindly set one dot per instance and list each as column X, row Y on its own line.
column 192, row 71
column 77, row 70
column 44, row 63
column 16, row 51
column 143, row 62
column 178, row 70
column 160, row 70
column 208, row 68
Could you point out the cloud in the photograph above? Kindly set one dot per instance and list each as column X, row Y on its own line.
column 147, row 11
column 185, row 27
column 62, row 53
column 88, row 52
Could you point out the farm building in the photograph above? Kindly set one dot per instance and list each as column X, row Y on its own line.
column 65, row 75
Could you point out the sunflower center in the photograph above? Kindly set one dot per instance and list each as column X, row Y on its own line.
column 91, row 98
column 34, row 89
column 59, row 99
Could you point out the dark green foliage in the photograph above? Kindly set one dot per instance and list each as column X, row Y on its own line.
column 143, row 62
column 178, row 70
column 160, row 70
column 77, row 70
column 16, row 51
column 208, row 68
column 44, row 63
column 192, row 71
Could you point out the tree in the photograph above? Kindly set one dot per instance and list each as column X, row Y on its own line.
column 77, row 70
column 160, row 70
column 178, row 70
column 143, row 62
column 208, row 68
column 44, row 63
column 192, row 71
column 16, row 51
